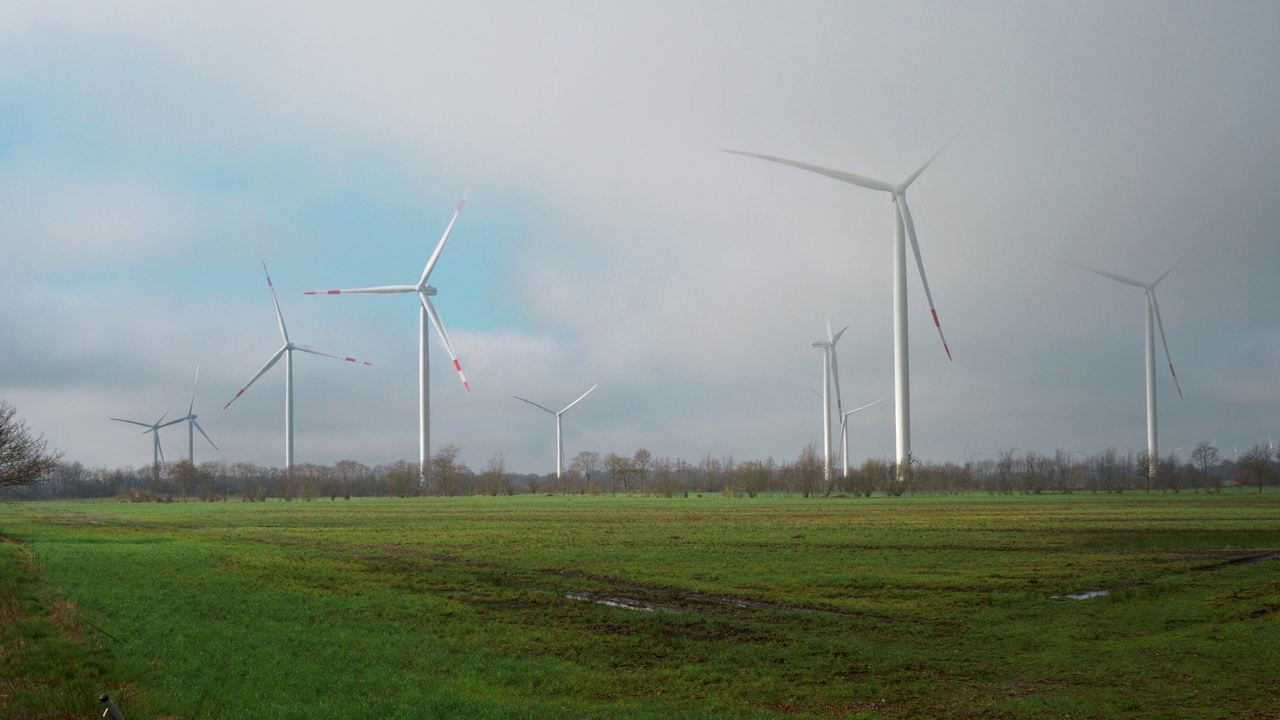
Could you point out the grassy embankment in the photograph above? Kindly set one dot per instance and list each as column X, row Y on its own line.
column 490, row 607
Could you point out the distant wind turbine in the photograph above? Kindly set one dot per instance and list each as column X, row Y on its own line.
column 1153, row 313
column 287, row 352
column 192, row 425
column 830, row 372
column 844, row 432
column 157, row 454
column 904, row 229
column 559, row 436
column 426, row 311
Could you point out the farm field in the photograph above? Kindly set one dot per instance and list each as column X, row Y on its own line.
column 631, row 607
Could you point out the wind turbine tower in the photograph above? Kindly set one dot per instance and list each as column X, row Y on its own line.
column 904, row 228
column 426, row 313
column 844, row 432
column 1153, row 321
column 157, row 454
column 559, row 435
column 192, row 425
column 830, row 372
column 285, row 351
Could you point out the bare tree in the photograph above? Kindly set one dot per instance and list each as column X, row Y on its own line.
column 1142, row 468
column 494, row 478
column 641, row 460
column 756, row 476
column 1256, row 463
column 1006, row 464
column 446, row 470
column 183, row 474
column 708, row 472
column 619, row 468
column 665, row 480
column 1205, row 456
column 401, row 478
column 809, row 469
column 24, row 458
column 1169, row 472
column 587, row 463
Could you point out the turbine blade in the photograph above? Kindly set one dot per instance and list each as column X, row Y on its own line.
column 274, row 359
column 435, row 255
column 279, row 317
column 836, row 338
column 1111, row 275
column 575, row 402
column 444, row 337
column 912, row 177
column 380, row 290
column 864, row 407
column 1160, row 324
column 835, row 378
column 160, row 450
column 192, row 406
column 541, row 407
column 905, row 212
column 313, row 351
column 860, row 181
column 206, row 436
column 165, row 425
column 132, row 422
column 1166, row 272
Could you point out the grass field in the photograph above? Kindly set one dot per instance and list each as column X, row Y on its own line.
column 600, row 607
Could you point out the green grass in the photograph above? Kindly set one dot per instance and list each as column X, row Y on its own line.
column 765, row 607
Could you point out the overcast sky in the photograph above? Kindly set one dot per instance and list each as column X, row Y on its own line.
column 153, row 154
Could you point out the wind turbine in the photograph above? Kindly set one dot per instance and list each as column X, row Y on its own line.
column 559, row 436
column 192, row 425
column 1153, row 313
column 830, row 371
column 287, row 352
column 844, row 432
column 157, row 454
column 425, row 311
column 903, row 229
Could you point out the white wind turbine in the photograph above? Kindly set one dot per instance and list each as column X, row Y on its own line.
column 830, row 372
column 904, row 229
column 287, row 352
column 559, row 436
column 192, row 425
column 426, row 311
column 157, row 454
column 844, row 432
column 1152, row 313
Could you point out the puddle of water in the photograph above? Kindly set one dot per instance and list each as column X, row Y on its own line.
column 1089, row 595
column 611, row 602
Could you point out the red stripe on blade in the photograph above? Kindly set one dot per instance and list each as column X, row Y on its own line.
column 350, row 359
column 457, row 366
column 935, row 317
column 333, row 292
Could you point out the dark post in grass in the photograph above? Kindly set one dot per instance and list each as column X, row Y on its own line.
column 112, row 711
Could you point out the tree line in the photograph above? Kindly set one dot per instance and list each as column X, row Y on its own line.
column 642, row 473
column 28, row 470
